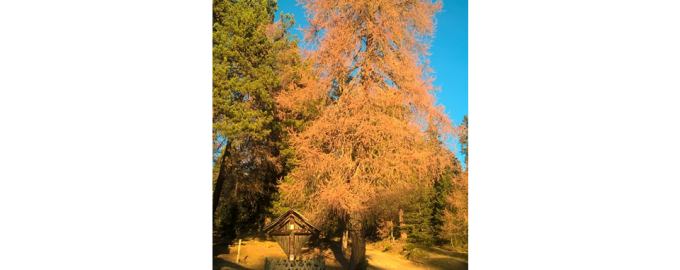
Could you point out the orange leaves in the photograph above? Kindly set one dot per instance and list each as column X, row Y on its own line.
column 370, row 83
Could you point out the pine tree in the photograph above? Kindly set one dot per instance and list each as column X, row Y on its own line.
column 418, row 219
column 463, row 138
column 442, row 188
column 247, row 51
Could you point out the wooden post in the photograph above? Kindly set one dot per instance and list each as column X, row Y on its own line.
column 238, row 254
column 291, row 245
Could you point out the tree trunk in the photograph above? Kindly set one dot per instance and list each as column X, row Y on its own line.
column 358, row 247
column 391, row 232
column 358, row 234
column 345, row 235
column 235, row 189
column 220, row 178
column 402, row 225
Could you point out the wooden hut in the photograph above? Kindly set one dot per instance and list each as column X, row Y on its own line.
column 292, row 231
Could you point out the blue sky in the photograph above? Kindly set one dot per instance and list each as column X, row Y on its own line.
column 449, row 58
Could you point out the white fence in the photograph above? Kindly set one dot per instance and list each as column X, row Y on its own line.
column 283, row 264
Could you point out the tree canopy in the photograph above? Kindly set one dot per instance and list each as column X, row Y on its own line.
column 347, row 131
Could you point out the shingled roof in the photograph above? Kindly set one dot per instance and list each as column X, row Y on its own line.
column 291, row 211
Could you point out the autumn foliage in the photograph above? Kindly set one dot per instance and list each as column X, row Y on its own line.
column 378, row 104
column 379, row 131
column 349, row 124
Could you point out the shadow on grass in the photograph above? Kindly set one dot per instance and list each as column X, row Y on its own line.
column 218, row 263
column 445, row 264
column 220, row 249
column 436, row 250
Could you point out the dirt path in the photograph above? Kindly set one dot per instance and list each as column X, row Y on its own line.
column 380, row 260
column 224, row 258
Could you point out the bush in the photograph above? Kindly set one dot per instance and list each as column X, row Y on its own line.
column 417, row 255
column 363, row 264
column 409, row 248
column 388, row 247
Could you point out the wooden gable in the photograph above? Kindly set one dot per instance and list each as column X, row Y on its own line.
column 291, row 231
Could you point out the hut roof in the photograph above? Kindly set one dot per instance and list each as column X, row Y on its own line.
column 279, row 220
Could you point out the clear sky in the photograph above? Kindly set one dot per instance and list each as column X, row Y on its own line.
column 449, row 58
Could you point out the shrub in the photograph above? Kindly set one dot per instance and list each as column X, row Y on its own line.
column 417, row 255
column 363, row 264
column 388, row 247
column 409, row 248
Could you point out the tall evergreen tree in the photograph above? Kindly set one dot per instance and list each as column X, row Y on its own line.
column 247, row 50
column 463, row 138
column 441, row 190
column 418, row 218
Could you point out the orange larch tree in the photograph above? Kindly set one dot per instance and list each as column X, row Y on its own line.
column 455, row 219
column 379, row 132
